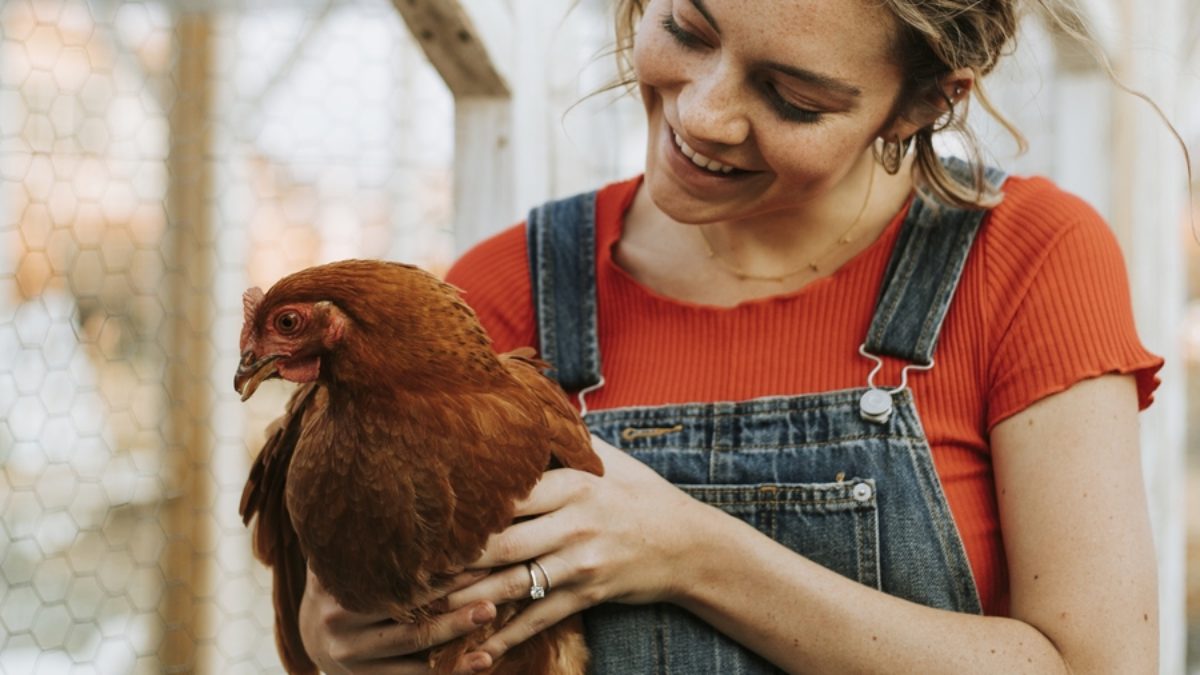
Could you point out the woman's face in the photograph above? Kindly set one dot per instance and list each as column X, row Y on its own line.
column 784, row 97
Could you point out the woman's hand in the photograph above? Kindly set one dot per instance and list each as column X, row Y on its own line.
column 340, row 641
column 622, row 537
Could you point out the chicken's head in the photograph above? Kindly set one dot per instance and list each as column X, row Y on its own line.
column 284, row 339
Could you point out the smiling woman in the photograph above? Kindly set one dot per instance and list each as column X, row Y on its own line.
column 835, row 379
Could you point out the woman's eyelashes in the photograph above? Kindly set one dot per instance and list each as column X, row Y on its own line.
column 789, row 111
column 683, row 37
column 782, row 107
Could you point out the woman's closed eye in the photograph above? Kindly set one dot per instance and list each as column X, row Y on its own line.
column 787, row 110
column 681, row 35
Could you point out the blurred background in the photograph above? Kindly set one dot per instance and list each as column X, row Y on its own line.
column 159, row 157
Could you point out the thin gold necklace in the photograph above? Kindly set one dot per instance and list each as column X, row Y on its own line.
column 813, row 265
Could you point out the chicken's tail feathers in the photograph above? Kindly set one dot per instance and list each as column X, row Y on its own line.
column 288, row 592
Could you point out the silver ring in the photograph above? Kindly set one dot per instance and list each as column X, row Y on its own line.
column 536, row 590
column 545, row 574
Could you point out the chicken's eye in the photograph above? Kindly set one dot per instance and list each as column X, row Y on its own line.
column 288, row 322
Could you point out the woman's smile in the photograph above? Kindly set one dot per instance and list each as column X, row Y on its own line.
column 697, row 170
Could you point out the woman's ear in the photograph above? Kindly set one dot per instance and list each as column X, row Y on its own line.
column 931, row 105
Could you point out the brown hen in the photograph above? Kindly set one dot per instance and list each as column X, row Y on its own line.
column 405, row 447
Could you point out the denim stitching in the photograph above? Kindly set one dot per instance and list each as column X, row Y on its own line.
column 844, row 399
column 858, row 548
column 878, row 555
column 546, row 305
column 966, row 227
column 587, row 271
column 968, row 592
column 564, row 232
column 952, row 551
column 929, row 227
column 900, row 279
column 700, row 445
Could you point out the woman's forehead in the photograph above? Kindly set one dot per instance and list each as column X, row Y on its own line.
column 860, row 29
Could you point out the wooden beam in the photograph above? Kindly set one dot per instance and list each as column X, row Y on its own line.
column 454, row 47
column 187, row 565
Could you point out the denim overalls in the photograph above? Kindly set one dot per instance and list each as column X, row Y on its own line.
column 844, row 478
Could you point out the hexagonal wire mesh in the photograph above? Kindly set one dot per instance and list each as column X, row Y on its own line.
column 156, row 162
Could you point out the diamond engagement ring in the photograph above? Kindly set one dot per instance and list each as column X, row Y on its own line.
column 536, row 590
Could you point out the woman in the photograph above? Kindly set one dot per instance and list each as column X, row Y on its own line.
column 975, row 504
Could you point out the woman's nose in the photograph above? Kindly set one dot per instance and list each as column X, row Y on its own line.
column 711, row 109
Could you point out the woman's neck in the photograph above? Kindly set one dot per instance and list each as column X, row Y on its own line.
column 724, row 263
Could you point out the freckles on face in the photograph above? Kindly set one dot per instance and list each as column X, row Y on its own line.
column 791, row 91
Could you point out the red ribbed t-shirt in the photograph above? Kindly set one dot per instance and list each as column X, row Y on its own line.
column 1043, row 303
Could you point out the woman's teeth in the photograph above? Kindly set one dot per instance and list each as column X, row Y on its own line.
column 699, row 159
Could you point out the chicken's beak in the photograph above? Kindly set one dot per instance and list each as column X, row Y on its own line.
column 250, row 375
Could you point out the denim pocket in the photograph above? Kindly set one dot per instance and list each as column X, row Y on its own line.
column 833, row 524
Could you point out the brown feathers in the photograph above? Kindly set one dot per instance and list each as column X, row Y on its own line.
column 404, row 455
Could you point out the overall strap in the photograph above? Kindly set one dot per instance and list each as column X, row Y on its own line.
column 923, row 273
column 561, row 237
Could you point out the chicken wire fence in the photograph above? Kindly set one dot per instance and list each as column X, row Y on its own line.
column 157, row 158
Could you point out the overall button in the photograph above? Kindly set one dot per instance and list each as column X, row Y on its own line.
column 861, row 492
column 876, row 406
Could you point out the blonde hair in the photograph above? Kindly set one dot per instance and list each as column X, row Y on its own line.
column 935, row 38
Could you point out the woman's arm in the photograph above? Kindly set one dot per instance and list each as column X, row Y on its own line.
column 1076, row 532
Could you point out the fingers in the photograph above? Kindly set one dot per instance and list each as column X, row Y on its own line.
column 555, row 526
column 401, row 639
column 472, row 663
column 368, row 649
column 526, row 540
column 536, row 618
column 513, row 583
column 343, row 641
column 554, row 491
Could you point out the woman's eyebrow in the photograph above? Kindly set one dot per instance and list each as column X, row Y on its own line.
column 824, row 81
column 699, row 5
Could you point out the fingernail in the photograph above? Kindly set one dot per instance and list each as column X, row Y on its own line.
column 478, row 662
column 483, row 614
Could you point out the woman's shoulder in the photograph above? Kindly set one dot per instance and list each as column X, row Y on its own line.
column 1035, row 212
column 1056, row 298
column 1039, row 229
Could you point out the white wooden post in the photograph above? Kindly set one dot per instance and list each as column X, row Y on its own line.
column 484, row 173
column 483, row 168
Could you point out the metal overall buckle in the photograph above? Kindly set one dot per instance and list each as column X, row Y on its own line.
column 876, row 403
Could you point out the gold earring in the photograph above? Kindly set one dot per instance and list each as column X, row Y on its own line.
column 891, row 157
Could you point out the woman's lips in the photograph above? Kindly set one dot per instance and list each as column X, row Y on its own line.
column 684, row 159
column 700, row 160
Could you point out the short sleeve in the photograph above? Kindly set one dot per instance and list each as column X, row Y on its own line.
column 1069, row 319
column 494, row 279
